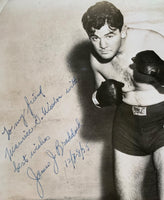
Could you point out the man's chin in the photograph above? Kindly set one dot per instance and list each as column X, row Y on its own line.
column 106, row 56
column 103, row 57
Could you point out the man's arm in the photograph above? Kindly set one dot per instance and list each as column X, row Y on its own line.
column 99, row 79
column 108, row 91
column 95, row 66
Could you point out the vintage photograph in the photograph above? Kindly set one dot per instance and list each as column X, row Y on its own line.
column 82, row 100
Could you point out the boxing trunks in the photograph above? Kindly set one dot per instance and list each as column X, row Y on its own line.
column 138, row 130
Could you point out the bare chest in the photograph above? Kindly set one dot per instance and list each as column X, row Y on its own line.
column 120, row 72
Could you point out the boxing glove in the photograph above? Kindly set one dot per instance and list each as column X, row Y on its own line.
column 109, row 93
column 148, row 63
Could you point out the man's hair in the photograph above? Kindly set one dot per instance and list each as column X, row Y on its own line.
column 99, row 14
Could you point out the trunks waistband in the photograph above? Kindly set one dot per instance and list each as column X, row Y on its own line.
column 145, row 110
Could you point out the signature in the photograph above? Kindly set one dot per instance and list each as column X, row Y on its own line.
column 74, row 157
column 57, row 155
column 36, row 177
column 59, row 148
column 53, row 156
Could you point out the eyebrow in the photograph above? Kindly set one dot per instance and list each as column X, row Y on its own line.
column 111, row 32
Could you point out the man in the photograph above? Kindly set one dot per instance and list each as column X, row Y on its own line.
column 138, row 132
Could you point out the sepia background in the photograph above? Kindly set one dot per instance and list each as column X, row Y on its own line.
column 43, row 48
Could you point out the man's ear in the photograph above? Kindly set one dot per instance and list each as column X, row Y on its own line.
column 124, row 31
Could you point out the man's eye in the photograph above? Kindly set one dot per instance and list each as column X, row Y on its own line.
column 94, row 38
column 109, row 36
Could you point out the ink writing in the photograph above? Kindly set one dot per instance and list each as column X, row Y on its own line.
column 37, row 176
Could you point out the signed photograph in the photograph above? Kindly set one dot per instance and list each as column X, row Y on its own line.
column 81, row 100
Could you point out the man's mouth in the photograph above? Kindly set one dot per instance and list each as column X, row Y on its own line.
column 104, row 52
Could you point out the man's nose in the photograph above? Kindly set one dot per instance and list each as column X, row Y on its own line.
column 102, row 44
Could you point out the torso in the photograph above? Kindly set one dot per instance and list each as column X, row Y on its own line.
column 118, row 69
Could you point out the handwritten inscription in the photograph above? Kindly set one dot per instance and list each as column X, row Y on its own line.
column 36, row 177
column 39, row 145
column 9, row 152
column 28, row 110
column 72, row 159
column 73, row 82
column 59, row 146
column 58, row 153
column 74, row 155
column 18, row 166
column 68, row 155
column 22, row 116
column 50, row 106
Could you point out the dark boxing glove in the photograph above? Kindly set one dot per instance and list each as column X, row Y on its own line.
column 109, row 93
column 148, row 67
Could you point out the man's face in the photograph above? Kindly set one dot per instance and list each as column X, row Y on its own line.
column 106, row 41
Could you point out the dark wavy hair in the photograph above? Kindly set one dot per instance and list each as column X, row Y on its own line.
column 96, row 16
